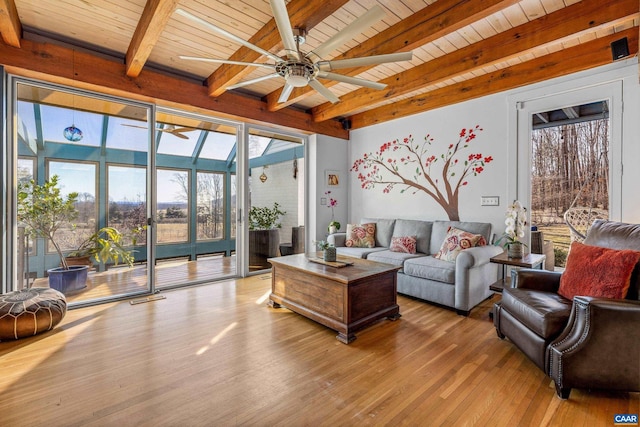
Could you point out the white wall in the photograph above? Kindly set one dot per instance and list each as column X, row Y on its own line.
column 495, row 115
column 280, row 186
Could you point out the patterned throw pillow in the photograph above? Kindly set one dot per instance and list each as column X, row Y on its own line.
column 361, row 235
column 406, row 244
column 456, row 241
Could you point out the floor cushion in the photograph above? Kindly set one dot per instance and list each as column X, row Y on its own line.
column 30, row 311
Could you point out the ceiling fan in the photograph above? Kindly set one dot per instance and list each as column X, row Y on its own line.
column 298, row 68
column 167, row 128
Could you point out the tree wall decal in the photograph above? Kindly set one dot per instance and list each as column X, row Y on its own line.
column 408, row 165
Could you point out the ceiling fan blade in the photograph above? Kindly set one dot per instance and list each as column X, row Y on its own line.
column 252, row 81
column 281, row 16
column 319, row 87
column 178, row 134
column 225, row 61
column 351, row 80
column 365, row 61
column 365, row 21
column 227, row 34
column 286, row 91
column 134, row 126
column 183, row 129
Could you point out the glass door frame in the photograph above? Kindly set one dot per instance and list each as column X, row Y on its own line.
column 9, row 177
column 239, row 126
column 243, row 187
column 530, row 103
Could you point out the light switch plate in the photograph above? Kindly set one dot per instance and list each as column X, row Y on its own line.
column 489, row 201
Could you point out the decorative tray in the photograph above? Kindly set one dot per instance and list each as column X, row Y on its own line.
column 337, row 264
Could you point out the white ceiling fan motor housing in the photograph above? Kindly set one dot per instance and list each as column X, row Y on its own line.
column 297, row 74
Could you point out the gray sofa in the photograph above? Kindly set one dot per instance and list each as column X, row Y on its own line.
column 462, row 284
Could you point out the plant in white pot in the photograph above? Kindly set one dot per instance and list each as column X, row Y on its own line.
column 43, row 210
column 516, row 220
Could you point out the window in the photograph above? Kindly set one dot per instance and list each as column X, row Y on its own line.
column 79, row 178
column 173, row 206
column 210, row 206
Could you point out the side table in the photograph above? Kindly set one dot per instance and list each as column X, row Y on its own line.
column 528, row 261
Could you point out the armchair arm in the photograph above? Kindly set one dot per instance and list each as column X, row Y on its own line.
column 337, row 239
column 599, row 348
column 540, row 280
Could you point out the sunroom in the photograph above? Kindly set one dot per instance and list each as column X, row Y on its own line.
column 132, row 164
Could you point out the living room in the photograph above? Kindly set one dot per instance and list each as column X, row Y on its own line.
column 217, row 354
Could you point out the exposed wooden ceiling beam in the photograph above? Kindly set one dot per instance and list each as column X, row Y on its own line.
column 58, row 64
column 579, row 58
column 434, row 21
column 569, row 21
column 10, row 25
column 302, row 14
column 154, row 18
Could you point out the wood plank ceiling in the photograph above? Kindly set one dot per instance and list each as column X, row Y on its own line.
column 462, row 49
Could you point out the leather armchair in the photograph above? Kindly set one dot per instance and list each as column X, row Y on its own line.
column 584, row 343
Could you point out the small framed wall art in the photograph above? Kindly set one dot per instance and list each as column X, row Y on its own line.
column 332, row 178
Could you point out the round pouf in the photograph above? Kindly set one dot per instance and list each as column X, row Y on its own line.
column 30, row 311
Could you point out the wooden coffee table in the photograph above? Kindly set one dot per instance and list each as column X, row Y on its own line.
column 345, row 299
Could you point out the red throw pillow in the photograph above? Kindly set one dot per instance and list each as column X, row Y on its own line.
column 597, row 272
column 406, row 244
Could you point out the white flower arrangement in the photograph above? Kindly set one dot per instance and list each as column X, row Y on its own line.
column 516, row 220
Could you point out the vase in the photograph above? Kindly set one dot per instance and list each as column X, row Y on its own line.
column 329, row 254
column 332, row 229
column 515, row 250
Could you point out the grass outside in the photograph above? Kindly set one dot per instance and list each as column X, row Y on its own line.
column 561, row 237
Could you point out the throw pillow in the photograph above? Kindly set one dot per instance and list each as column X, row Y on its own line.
column 406, row 244
column 457, row 240
column 361, row 235
column 597, row 272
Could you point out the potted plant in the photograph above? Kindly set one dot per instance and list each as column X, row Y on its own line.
column 334, row 225
column 105, row 245
column 516, row 221
column 264, row 234
column 328, row 250
column 43, row 210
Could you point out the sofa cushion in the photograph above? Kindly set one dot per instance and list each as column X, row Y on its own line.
column 418, row 228
column 384, row 230
column 358, row 252
column 406, row 244
column 456, row 241
column 390, row 257
column 545, row 313
column 428, row 267
column 597, row 272
column 361, row 235
column 440, row 228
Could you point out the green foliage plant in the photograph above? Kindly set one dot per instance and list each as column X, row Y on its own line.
column 265, row 218
column 105, row 245
column 43, row 210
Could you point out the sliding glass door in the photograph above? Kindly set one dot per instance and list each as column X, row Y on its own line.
column 81, row 164
column 276, row 184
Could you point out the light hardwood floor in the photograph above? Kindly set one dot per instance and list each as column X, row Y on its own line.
column 217, row 355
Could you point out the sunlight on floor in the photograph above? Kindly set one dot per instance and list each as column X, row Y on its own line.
column 215, row 339
column 263, row 298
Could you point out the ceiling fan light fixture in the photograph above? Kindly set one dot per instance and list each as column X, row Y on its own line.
column 297, row 75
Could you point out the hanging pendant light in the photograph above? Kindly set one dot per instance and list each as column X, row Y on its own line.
column 263, row 177
column 72, row 133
